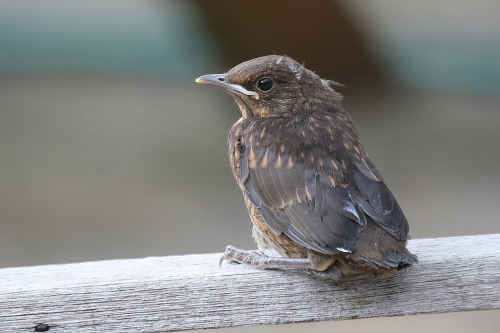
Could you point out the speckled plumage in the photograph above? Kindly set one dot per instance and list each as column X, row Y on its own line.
column 310, row 188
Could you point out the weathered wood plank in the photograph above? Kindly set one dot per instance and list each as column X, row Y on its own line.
column 164, row 294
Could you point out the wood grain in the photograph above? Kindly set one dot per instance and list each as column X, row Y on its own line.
column 163, row 294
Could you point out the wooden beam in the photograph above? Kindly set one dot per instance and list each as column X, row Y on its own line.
column 163, row 294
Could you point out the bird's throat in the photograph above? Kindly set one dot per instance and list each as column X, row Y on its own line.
column 250, row 110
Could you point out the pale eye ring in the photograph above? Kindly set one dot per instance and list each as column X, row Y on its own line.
column 265, row 83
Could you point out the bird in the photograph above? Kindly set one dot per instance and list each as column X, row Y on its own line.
column 312, row 193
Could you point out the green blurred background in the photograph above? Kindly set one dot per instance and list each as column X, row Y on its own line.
column 108, row 149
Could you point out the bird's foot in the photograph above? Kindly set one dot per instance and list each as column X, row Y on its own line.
column 258, row 259
column 239, row 256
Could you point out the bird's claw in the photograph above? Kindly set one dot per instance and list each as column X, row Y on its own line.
column 226, row 256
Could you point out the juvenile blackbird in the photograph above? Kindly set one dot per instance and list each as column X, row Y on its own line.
column 312, row 192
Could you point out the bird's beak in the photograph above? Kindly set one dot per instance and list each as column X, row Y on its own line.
column 220, row 81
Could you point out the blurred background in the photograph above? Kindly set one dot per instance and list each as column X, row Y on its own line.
column 108, row 149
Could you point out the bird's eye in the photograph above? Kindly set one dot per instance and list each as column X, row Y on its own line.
column 265, row 84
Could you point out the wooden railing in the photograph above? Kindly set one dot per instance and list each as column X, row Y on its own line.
column 164, row 294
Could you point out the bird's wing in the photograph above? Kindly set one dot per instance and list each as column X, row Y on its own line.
column 376, row 200
column 313, row 208
column 301, row 202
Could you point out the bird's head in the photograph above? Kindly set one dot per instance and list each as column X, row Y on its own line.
column 275, row 86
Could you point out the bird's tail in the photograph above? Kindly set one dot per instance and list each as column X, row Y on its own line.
column 392, row 260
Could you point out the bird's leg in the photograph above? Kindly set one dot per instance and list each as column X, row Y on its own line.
column 258, row 259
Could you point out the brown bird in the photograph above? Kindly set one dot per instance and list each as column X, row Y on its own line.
column 312, row 192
